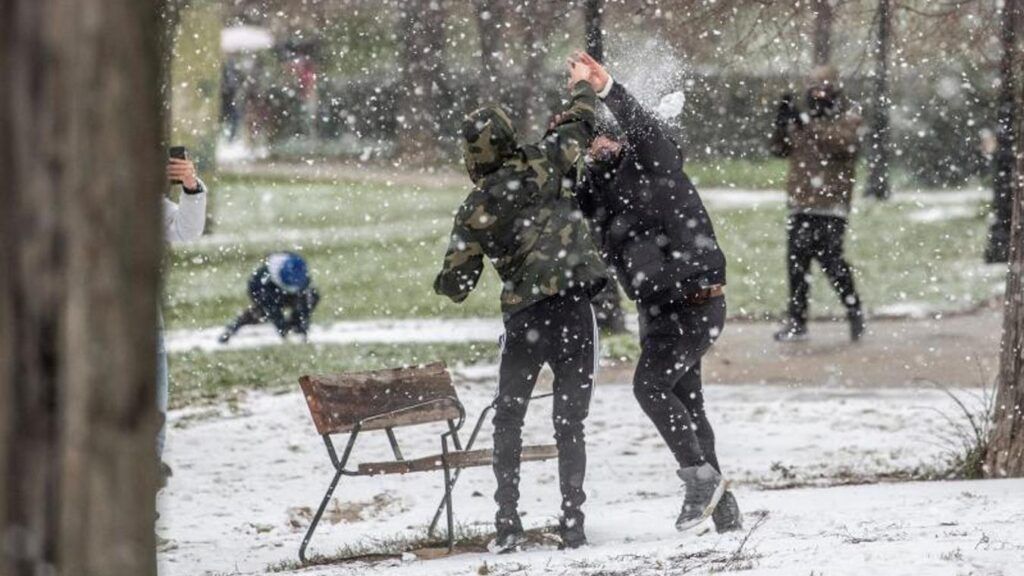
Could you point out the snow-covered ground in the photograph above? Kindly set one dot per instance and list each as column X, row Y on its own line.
column 411, row 330
column 246, row 476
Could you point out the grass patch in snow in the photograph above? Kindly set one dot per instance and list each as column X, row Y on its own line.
column 198, row 377
column 374, row 250
column 469, row 539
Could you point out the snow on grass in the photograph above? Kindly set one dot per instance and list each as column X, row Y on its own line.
column 247, row 475
column 412, row 331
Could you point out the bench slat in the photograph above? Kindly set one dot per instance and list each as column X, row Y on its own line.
column 466, row 459
column 336, row 402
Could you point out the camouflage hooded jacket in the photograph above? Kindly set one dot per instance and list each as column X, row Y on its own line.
column 521, row 213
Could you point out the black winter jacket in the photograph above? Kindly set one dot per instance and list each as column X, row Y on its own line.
column 646, row 215
column 288, row 312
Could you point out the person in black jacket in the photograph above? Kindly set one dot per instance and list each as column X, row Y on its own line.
column 653, row 231
column 281, row 292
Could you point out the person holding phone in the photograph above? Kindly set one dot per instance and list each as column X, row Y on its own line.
column 183, row 221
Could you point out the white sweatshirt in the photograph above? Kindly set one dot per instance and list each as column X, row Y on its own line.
column 185, row 220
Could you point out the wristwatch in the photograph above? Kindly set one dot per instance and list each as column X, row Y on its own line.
column 200, row 188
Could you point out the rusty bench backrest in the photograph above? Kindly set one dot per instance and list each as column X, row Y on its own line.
column 337, row 402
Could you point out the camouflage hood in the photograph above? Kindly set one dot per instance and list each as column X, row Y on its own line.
column 489, row 139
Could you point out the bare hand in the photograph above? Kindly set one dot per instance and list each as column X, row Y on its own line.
column 577, row 71
column 183, row 171
column 598, row 76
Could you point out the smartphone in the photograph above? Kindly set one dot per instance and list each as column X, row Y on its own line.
column 179, row 152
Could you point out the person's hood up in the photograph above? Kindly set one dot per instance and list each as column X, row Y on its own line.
column 288, row 271
column 489, row 139
column 825, row 76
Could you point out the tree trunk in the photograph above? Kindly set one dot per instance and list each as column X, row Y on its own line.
column 592, row 13
column 80, row 128
column 879, row 153
column 1006, row 448
column 493, row 85
column 537, row 21
column 1006, row 153
column 822, row 31
column 422, row 100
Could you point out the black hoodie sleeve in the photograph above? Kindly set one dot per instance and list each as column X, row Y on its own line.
column 655, row 150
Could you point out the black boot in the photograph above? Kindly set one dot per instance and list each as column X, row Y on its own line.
column 792, row 331
column 509, row 536
column 727, row 516
column 857, row 327
column 571, row 531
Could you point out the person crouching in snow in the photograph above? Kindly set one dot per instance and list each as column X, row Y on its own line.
column 521, row 217
column 282, row 293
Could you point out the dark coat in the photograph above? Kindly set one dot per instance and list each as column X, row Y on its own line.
column 289, row 312
column 649, row 221
column 822, row 154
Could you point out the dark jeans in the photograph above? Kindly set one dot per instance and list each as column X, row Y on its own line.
column 295, row 315
column 815, row 237
column 561, row 332
column 667, row 382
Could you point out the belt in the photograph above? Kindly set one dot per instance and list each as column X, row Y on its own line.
column 703, row 295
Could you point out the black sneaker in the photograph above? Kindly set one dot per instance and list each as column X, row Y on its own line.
column 571, row 531
column 164, row 473
column 704, row 488
column 857, row 326
column 791, row 331
column 727, row 515
column 510, row 536
column 507, row 542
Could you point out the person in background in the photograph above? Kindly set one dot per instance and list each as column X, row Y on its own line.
column 822, row 144
column 522, row 217
column 183, row 221
column 280, row 292
column 654, row 232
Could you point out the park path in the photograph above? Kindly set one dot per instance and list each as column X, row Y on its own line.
column 960, row 349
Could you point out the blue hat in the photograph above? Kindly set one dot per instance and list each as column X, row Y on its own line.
column 288, row 271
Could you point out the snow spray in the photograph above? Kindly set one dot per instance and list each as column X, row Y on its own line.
column 653, row 73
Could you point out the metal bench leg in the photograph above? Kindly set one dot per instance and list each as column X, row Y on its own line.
column 316, row 517
column 448, row 485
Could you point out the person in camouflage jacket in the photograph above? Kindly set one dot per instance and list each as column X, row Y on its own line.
column 522, row 216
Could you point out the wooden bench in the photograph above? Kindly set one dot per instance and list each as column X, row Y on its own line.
column 388, row 399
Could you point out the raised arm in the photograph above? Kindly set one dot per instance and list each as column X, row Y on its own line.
column 185, row 220
column 656, row 150
column 463, row 262
column 574, row 131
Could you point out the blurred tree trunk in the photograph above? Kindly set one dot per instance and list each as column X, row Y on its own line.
column 878, row 152
column 537, row 22
column 422, row 99
column 1005, row 456
column 592, row 13
column 170, row 17
column 822, row 31
column 493, row 85
column 1006, row 152
column 80, row 128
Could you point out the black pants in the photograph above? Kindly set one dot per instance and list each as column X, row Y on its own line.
column 561, row 332
column 294, row 315
column 667, row 382
column 815, row 237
